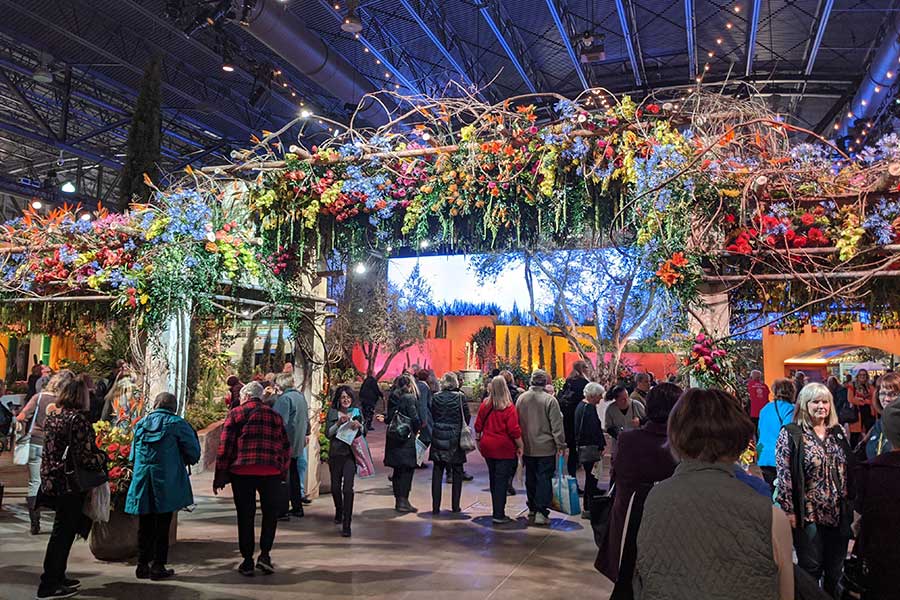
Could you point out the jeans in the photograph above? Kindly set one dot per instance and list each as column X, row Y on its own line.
column 153, row 538
column 65, row 528
column 244, row 488
column 302, row 463
column 821, row 551
column 295, row 486
column 590, row 485
column 538, row 482
column 343, row 472
column 402, row 481
column 437, row 483
column 35, row 453
column 500, row 475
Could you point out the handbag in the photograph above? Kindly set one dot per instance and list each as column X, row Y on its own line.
column 466, row 437
column 588, row 453
column 852, row 584
column 601, row 509
column 79, row 478
column 365, row 466
column 22, row 453
column 400, row 427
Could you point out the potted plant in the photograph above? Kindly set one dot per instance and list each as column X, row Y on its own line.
column 115, row 540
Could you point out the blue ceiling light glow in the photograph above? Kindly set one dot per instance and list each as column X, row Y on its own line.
column 691, row 33
column 506, row 48
column 554, row 12
column 629, row 46
column 878, row 80
column 817, row 42
column 751, row 40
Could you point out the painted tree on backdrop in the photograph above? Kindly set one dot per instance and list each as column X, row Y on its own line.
column 602, row 297
column 248, row 355
column 144, row 138
column 381, row 319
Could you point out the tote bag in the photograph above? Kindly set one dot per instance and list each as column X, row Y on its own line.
column 565, row 491
column 466, row 437
column 23, row 443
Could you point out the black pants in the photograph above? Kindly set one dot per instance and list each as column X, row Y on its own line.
column 244, row 488
column 769, row 475
column 153, row 538
column 572, row 463
column 294, row 487
column 368, row 411
column 500, row 475
column 539, row 482
column 590, row 484
column 402, row 481
column 437, row 483
column 343, row 472
column 821, row 551
column 66, row 524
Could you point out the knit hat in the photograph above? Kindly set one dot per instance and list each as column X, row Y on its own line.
column 890, row 421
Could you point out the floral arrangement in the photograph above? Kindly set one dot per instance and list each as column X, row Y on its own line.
column 115, row 442
column 708, row 362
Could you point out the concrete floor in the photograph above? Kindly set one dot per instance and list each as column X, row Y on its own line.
column 389, row 555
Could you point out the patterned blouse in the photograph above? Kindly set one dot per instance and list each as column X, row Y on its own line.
column 824, row 471
column 56, row 439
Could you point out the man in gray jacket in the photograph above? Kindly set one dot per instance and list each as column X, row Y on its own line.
column 292, row 407
column 544, row 438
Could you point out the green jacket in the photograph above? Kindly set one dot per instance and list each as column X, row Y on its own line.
column 163, row 444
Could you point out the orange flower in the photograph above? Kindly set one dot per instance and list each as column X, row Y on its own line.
column 678, row 260
column 667, row 275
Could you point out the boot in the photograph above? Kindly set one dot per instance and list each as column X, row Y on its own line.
column 33, row 514
column 403, row 506
column 345, row 526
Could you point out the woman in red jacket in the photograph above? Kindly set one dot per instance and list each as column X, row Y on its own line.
column 500, row 442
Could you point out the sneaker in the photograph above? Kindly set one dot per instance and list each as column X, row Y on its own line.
column 264, row 564
column 541, row 520
column 501, row 520
column 61, row 591
column 72, row 583
column 142, row 571
column 246, row 568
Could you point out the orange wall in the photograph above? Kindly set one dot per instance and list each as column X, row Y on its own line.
column 661, row 364
column 779, row 347
column 459, row 332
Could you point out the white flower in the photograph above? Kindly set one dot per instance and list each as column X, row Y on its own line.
column 211, row 237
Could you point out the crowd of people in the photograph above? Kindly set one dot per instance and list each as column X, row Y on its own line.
column 680, row 518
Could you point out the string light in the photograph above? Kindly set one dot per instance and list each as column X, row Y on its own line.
column 387, row 75
column 706, row 67
column 877, row 89
column 837, row 126
column 849, row 114
column 377, row 61
column 728, row 25
column 863, row 102
column 337, row 7
column 737, row 9
column 889, row 75
column 719, row 41
column 366, row 49
column 710, row 54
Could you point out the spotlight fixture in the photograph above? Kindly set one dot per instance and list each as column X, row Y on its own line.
column 305, row 113
column 67, row 188
column 352, row 22
column 36, row 204
column 227, row 64
column 246, row 7
column 593, row 48
column 42, row 73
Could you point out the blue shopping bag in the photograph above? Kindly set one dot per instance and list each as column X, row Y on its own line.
column 565, row 491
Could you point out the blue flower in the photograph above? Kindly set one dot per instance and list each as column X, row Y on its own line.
column 67, row 255
column 566, row 108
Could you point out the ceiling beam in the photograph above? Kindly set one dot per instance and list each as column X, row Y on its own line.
column 825, row 7
column 751, row 36
column 505, row 44
column 26, row 133
column 624, row 19
column 567, row 42
column 445, row 52
column 29, row 107
column 691, row 30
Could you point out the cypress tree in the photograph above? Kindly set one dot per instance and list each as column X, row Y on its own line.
column 248, row 352
column 519, row 350
column 530, row 354
column 278, row 363
column 266, row 364
column 506, row 345
column 541, row 362
column 553, row 357
column 144, row 137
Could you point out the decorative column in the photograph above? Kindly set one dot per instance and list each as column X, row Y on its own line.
column 309, row 378
column 166, row 358
column 712, row 313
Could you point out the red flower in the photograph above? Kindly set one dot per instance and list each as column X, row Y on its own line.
column 730, row 219
column 807, row 219
column 114, row 447
column 116, row 472
column 800, row 241
column 653, row 109
column 124, row 451
column 789, row 235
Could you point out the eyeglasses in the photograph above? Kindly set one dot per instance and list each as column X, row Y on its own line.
column 888, row 393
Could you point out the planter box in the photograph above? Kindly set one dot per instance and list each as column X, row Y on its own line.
column 324, row 478
column 209, row 447
column 117, row 540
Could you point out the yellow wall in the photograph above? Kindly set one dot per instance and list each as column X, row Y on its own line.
column 778, row 348
column 521, row 332
column 63, row 348
column 4, row 341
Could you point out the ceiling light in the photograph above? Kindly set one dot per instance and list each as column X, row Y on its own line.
column 352, row 23
column 863, row 102
column 889, row 75
column 849, row 114
column 305, row 113
column 68, row 187
column 377, row 61
column 36, row 204
column 42, row 74
column 737, row 9
column 869, row 124
column 858, row 140
column 387, row 75
column 228, row 67
column 728, row 25
column 710, row 54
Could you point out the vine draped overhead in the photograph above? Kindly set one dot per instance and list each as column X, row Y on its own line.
column 709, row 189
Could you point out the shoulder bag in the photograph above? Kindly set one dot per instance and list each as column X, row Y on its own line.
column 590, row 452
column 466, row 437
column 400, row 427
column 23, row 443
column 79, row 478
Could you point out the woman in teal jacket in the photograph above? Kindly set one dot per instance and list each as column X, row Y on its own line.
column 163, row 444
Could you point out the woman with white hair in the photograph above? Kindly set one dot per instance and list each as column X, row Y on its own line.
column 589, row 440
column 449, row 412
column 812, row 462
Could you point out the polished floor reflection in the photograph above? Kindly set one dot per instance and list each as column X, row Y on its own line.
column 389, row 556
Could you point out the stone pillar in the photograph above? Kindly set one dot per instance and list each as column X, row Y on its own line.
column 712, row 310
column 165, row 362
column 309, row 377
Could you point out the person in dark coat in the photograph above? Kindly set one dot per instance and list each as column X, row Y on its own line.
column 341, row 460
column 423, row 405
column 400, row 453
column 449, row 411
column 876, row 502
column 234, row 390
column 569, row 398
column 588, row 435
column 643, row 458
column 369, row 396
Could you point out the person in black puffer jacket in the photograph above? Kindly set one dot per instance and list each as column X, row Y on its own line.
column 570, row 397
column 400, row 454
column 449, row 410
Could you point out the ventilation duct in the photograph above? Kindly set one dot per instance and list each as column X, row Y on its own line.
column 289, row 37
